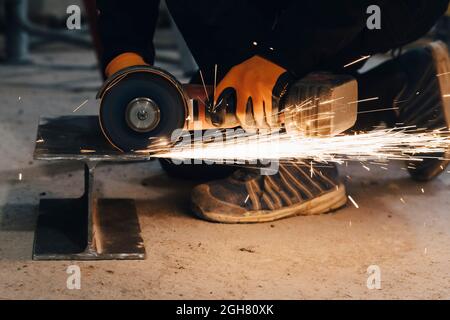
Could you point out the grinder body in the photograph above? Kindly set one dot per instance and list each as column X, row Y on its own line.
column 142, row 107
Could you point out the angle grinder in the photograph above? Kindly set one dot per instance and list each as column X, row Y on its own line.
column 143, row 105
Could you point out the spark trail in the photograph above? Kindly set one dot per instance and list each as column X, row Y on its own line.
column 405, row 143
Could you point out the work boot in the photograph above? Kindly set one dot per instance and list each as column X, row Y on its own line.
column 413, row 90
column 249, row 197
column 425, row 102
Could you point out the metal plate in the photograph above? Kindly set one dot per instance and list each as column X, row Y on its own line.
column 77, row 138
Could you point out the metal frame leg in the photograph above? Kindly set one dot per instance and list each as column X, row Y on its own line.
column 88, row 228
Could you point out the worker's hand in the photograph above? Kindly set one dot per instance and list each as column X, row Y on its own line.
column 125, row 60
column 255, row 78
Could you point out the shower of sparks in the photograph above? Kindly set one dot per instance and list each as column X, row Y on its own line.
column 406, row 143
column 292, row 145
column 322, row 103
column 80, row 106
column 204, row 85
column 378, row 110
column 206, row 103
column 215, row 84
column 87, row 151
column 353, row 201
column 364, row 100
column 356, row 61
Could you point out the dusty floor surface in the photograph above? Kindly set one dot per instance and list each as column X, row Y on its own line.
column 299, row 258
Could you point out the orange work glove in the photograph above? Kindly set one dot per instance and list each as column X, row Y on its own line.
column 254, row 78
column 122, row 61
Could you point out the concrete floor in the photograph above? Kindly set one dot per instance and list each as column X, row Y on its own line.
column 299, row 258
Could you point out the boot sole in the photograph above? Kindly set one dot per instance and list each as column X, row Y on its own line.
column 325, row 203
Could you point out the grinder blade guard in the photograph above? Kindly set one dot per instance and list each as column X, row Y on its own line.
column 141, row 105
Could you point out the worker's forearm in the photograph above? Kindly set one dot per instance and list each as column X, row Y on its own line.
column 127, row 26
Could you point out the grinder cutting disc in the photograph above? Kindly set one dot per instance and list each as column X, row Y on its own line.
column 139, row 106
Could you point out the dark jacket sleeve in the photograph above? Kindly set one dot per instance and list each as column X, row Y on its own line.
column 308, row 33
column 311, row 33
column 127, row 26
